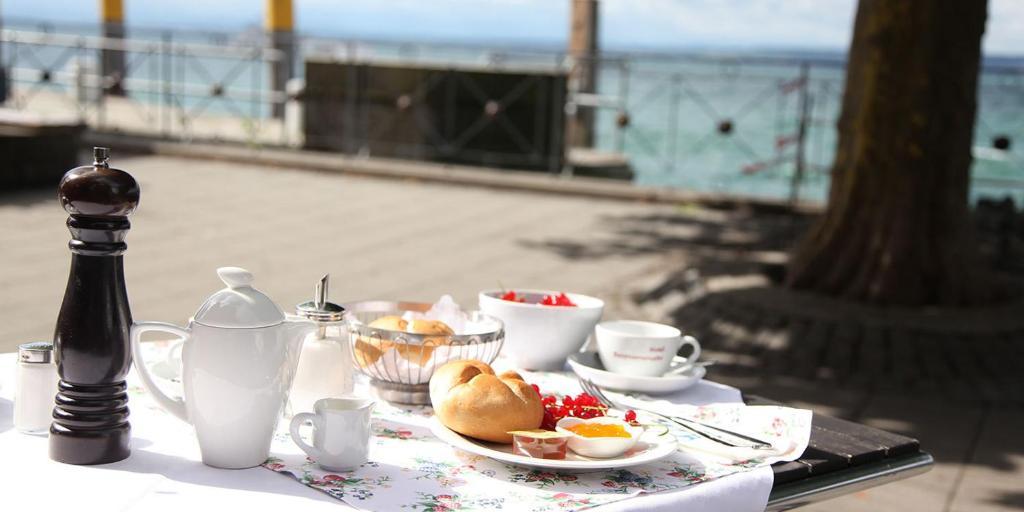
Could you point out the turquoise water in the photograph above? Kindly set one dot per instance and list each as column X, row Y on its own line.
column 690, row 99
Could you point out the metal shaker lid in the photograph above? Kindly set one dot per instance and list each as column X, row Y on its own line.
column 35, row 352
column 319, row 309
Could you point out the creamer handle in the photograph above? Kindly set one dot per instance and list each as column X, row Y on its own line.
column 172, row 405
column 293, row 429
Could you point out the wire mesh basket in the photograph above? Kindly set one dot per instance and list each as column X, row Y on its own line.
column 399, row 364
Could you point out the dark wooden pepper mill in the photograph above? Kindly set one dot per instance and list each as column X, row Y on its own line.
column 90, row 420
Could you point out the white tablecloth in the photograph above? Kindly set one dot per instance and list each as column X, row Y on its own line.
column 164, row 473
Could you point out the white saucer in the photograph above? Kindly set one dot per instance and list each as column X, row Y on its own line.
column 588, row 365
column 649, row 449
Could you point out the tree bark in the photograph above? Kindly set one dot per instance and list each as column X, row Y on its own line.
column 897, row 226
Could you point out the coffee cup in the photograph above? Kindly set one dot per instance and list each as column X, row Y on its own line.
column 341, row 432
column 639, row 348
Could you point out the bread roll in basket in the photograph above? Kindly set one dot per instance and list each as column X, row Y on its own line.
column 470, row 399
column 367, row 352
column 400, row 363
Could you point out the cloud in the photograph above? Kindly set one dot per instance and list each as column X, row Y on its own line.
column 775, row 23
column 1004, row 32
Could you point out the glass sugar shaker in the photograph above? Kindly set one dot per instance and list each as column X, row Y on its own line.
column 325, row 364
column 35, row 388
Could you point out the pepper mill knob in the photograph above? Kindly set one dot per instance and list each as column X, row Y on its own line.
column 98, row 190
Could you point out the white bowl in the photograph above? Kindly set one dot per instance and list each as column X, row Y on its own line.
column 600, row 447
column 541, row 337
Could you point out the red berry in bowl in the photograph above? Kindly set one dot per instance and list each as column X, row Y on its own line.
column 511, row 296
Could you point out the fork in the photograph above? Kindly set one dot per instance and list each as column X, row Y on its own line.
column 712, row 432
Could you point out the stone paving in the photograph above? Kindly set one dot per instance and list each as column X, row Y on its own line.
column 411, row 240
column 377, row 239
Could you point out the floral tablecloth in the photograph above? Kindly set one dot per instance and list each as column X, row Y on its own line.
column 410, row 469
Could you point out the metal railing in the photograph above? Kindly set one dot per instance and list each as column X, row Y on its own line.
column 174, row 89
column 721, row 123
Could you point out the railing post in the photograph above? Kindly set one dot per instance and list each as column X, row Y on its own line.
column 84, row 92
column 622, row 116
column 281, row 35
column 112, row 67
column 673, row 123
column 166, row 75
column 801, row 134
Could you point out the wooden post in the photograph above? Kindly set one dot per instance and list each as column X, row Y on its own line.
column 583, row 50
column 280, row 23
column 112, row 60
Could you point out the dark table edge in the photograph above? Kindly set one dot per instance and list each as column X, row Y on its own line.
column 846, row 481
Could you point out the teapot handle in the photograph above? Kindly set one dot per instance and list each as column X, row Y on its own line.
column 172, row 405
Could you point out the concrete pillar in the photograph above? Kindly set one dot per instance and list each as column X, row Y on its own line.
column 584, row 52
column 112, row 61
column 280, row 27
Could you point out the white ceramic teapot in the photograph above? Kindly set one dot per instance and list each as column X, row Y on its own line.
column 238, row 358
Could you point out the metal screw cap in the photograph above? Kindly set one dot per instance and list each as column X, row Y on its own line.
column 35, row 352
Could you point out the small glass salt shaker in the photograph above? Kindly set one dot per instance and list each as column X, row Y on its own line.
column 34, row 388
column 325, row 363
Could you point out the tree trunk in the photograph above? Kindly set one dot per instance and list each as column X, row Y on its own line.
column 897, row 227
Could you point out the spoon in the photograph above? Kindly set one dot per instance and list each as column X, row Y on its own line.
column 687, row 367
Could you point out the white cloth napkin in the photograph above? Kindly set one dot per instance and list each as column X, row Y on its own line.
column 741, row 492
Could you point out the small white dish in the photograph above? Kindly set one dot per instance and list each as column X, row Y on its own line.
column 648, row 449
column 588, row 366
column 599, row 447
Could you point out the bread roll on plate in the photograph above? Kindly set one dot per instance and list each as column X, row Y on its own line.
column 470, row 399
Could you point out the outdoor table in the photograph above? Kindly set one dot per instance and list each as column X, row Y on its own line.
column 842, row 457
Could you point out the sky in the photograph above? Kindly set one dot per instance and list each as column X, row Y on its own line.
column 624, row 24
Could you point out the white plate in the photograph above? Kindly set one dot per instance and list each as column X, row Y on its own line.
column 588, row 365
column 650, row 448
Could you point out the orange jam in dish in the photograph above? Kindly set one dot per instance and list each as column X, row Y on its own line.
column 598, row 430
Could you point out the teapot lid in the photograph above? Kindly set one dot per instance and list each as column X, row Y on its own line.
column 239, row 305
